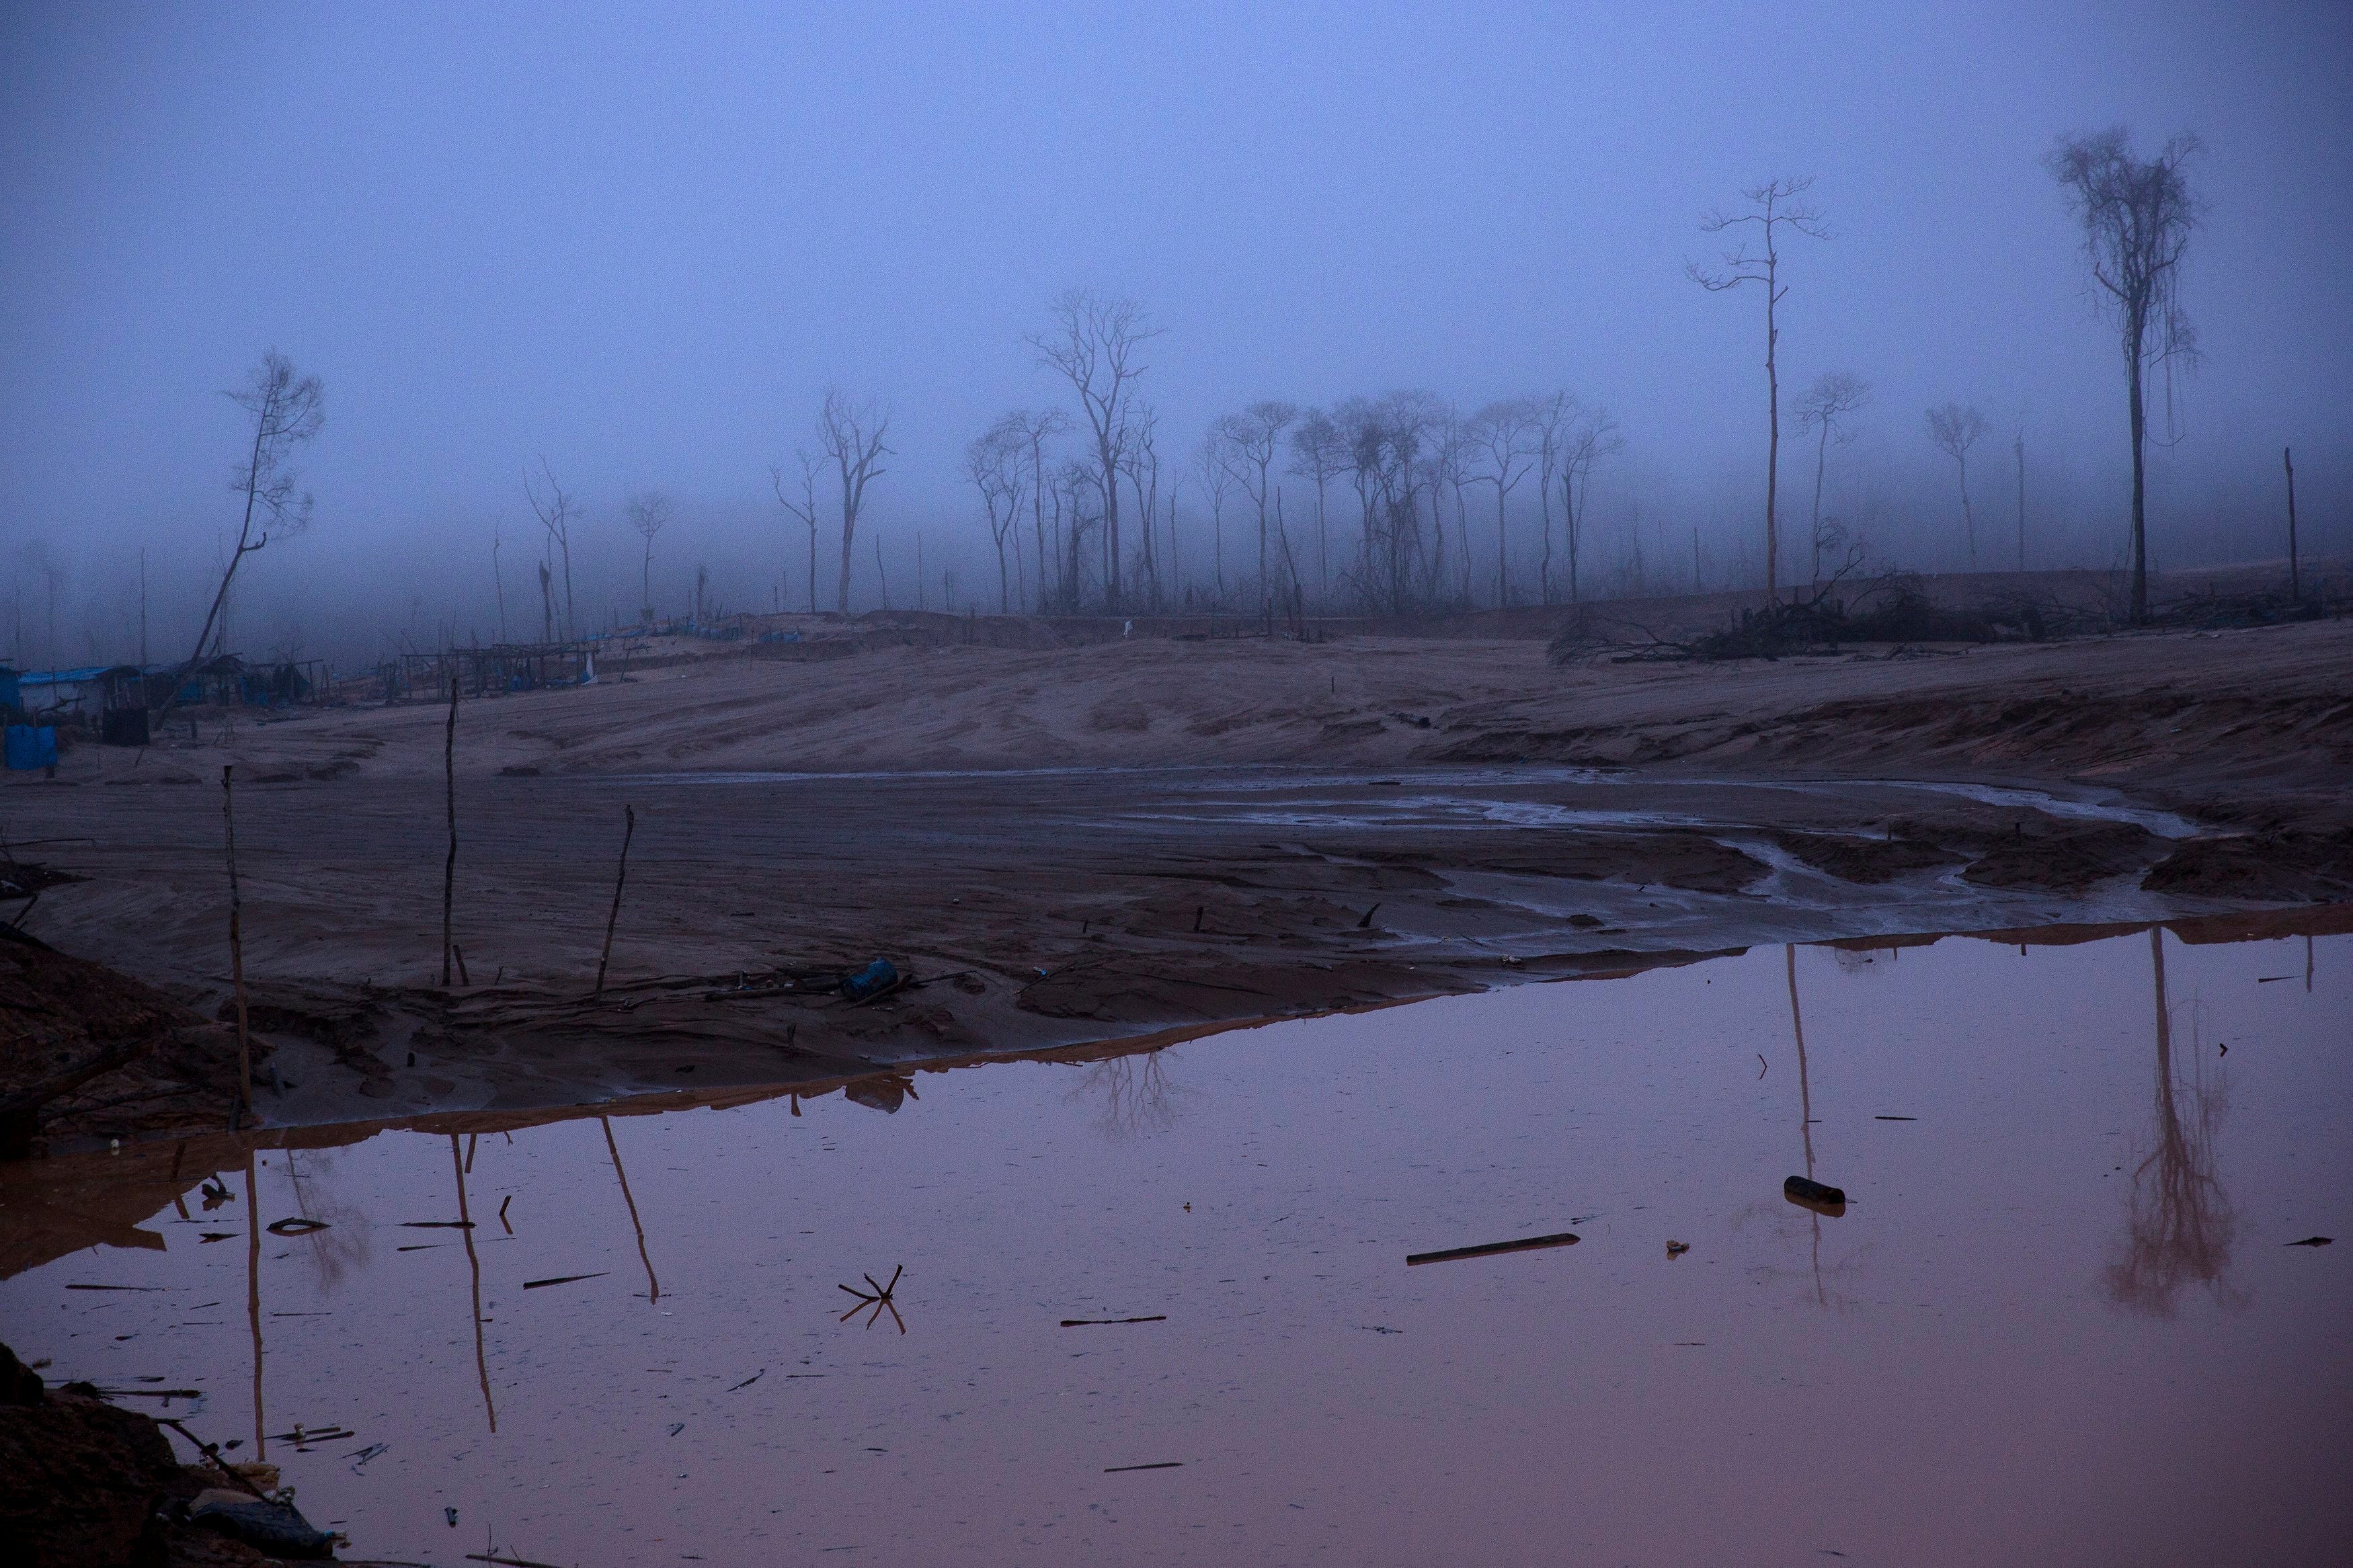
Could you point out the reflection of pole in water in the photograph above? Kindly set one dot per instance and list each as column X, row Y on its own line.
column 474, row 1265
column 1805, row 1088
column 2178, row 1226
column 1805, row 1111
column 652, row 1285
column 253, row 1298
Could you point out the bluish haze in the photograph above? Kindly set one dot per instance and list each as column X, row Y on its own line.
column 641, row 242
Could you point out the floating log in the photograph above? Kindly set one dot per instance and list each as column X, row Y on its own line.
column 1490, row 1250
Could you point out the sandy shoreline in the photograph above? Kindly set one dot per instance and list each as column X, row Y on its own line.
column 1090, row 844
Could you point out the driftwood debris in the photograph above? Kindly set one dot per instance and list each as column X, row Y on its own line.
column 1821, row 1198
column 877, row 1301
column 1493, row 1249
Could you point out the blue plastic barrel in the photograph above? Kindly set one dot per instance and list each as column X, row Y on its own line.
column 32, row 747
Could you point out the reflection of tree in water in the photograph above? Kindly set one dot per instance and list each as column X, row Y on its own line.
column 1138, row 1098
column 343, row 1245
column 2179, row 1227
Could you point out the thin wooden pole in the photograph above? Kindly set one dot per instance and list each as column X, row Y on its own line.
column 253, row 1300
column 629, row 818
column 236, row 958
column 449, row 868
column 2294, row 582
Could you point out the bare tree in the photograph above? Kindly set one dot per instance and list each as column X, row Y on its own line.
column 2136, row 216
column 852, row 435
column 1093, row 343
column 286, row 410
column 2020, row 416
column 1554, row 413
column 1758, row 259
column 1448, row 468
column 1508, row 437
column 1954, row 429
column 1246, row 444
column 1036, row 427
column 1209, row 457
column 1139, row 459
column 804, row 509
column 1592, row 434
column 1319, row 453
column 499, row 577
column 1834, row 395
column 1393, row 443
column 649, row 511
column 992, row 461
column 556, row 512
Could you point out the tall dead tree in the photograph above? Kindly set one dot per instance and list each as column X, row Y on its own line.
column 2136, row 215
column 1954, row 429
column 2017, row 449
column 1508, row 437
column 499, row 577
column 1758, row 259
column 1823, row 410
column 1139, row 459
column 1092, row 344
column 1448, row 468
column 1554, row 413
column 1038, row 427
column 286, row 410
column 1246, row 443
column 649, row 512
column 556, row 512
column 852, row 434
column 992, row 462
column 1319, row 454
column 804, row 509
column 1218, row 480
column 1592, row 436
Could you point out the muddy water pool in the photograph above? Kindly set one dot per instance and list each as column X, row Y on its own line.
column 2058, row 1321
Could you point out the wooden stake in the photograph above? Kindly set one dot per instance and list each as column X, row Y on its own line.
column 449, row 868
column 620, row 877
column 2295, row 586
column 237, row 960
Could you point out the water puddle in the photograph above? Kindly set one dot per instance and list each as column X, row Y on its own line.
column 1158, row 1306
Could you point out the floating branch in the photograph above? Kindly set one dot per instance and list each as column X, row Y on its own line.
column 877, row 1301
column 1490, row 1250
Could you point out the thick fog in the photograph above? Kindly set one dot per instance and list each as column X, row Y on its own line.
column 639, row 243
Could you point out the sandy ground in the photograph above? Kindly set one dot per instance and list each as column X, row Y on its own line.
column 1093, row 842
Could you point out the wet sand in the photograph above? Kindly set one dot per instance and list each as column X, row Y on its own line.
column 1090, row 843
column 2059, row 1320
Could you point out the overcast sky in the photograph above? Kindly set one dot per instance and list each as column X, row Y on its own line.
column 641, row 240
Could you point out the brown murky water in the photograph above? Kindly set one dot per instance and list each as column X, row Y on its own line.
column 2059, row 1321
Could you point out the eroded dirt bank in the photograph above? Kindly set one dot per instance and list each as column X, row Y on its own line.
column 1143, row 837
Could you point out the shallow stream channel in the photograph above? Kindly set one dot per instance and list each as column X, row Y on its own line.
column 1161, row 1306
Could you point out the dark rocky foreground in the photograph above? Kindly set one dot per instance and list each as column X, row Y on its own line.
column 85, row 1483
